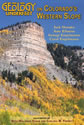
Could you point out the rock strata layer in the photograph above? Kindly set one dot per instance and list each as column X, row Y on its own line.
column 28, row 45
column 24, row 45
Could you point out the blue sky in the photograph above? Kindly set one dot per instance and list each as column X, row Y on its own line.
column 48, row 24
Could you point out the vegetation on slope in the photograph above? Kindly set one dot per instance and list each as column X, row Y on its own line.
column 73, row 65
column 52, row 98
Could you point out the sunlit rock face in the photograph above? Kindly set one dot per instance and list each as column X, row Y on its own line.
column 27, row 45
column 23, row 45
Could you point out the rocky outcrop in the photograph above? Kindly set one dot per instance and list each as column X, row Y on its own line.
column 24, row 45
column 27, row 46
column 55, row 72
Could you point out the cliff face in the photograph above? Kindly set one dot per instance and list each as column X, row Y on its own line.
column 28, row 45
column 24, row 45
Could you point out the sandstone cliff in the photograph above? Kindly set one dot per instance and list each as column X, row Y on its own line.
column 28, row 45
column 23, row 45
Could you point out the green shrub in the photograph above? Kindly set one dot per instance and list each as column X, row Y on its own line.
column 81, row 105
column 5, row 118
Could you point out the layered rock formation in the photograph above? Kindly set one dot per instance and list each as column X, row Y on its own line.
column 26, row 46
column 23, row 45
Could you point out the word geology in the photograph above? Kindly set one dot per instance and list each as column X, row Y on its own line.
column 22, row 8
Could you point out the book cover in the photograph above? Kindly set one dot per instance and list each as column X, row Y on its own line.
column 41, row 62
